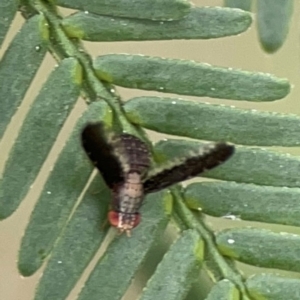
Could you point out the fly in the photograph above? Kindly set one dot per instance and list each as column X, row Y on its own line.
column 124, row 162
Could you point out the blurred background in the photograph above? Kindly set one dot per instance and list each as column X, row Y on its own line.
column 242, row 51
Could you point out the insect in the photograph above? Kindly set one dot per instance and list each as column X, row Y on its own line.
column 124, row 162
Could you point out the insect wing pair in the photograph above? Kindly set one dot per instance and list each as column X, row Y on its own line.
column 124, row 163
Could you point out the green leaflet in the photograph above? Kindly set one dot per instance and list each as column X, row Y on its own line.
column 248, row 165
column 214, row 122
column 189, row 78
column 163, row 10
column 40, row 129
column 124, row 256
column 178, row 270
column 8, row 10
column 60, row 193
column 246, row 201
column 273, row 22
column 79, row 242
column 273, row 287
column 222, row 22
column 19, row 65
column 223, row 290
column 261, row 247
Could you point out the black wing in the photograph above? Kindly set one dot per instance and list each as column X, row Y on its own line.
column 98, row 146
column 114, row 155
column 207, row 158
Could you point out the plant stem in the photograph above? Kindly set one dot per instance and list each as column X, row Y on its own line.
column 61, row 46
column 191, row 222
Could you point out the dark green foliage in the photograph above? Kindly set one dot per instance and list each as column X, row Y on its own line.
column 69, row 232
